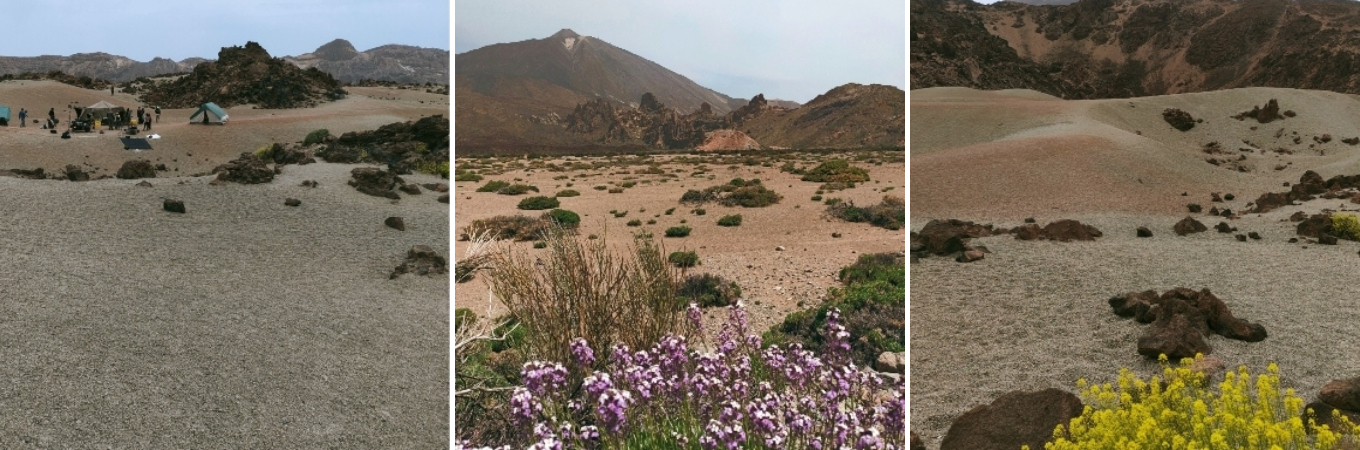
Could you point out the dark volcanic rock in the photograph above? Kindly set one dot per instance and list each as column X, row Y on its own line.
column 1326, row 239
column 292, row 202
column 375, row 182
column 444, row 198
column 247, row 169
column 1267, row 114
column 1144, row 232
column 1070, row 230
column 1342, row 394
column 309, row 183
column 1174, row 337
column 175, row 206
column 75, row 173
column 1195, row 208
column 1189, row 225
column 1315, row 226
column 1013, row 420
column 421, row 260
column 1178, row 119
column 1254, row 235
column 395, row 223
column 1183, row 318
column 969, row 255
column 410, row 189
column 946, row 237
column 1027, row 232
column 1223, row 227
column 246, row 75
column 137, row 168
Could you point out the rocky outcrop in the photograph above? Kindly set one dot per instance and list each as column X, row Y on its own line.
column 246, row 75
column 246, row 169
column 421, row 260
column 375, row 182
column 1013, row 420
column 404, row 146
column 75, row 173
column 1267, row 114
column 946, row 237
column 1181, row 319
column 137, row 168
column 727, row 140
column 1188, row 225
column 174, row 206
column 1178, row 119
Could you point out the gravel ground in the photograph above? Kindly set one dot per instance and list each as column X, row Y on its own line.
column 244, row 323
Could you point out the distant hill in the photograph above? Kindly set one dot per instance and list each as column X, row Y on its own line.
column 396, row 63
column 1127, row 48
column 849, row 116
column 246, row 75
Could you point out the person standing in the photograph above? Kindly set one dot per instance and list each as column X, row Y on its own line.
column 23, row 117
column 51, row 115
column 158, row 114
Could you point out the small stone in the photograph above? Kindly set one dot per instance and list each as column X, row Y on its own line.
column 779, row 248
column 1241, row 238
column 144, row 183
column 175, row 206
column 292, row 202
column 1144, row 232
column 395, row 222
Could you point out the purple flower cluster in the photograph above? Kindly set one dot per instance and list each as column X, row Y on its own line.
column 735, row 396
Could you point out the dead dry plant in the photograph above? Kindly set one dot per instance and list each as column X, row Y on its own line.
column 583, row 289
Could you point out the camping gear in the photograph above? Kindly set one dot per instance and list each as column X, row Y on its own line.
column 135, row 144
column 211, row 114
column 4, row 115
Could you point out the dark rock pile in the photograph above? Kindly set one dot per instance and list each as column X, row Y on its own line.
column 1178, row 119
column 247, row 169
column 1342, row 396
column 376, row 182
column 1267, row 114
column 75, row 173
column 403, row 146
column 1309, row 187
column 1181, row 319
column 421, row 260
column 246, row 75
column 137, row 168
column 1188, row 225
column 1013, row 420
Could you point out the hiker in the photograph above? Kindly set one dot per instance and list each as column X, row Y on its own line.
column 52, row 114
column 158, row 114
column 23, row 117
column 147, row 123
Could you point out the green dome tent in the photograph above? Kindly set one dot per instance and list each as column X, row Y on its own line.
column 211, row 114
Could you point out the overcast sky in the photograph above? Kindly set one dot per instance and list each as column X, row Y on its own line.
column 145, row 29
column 791, row 50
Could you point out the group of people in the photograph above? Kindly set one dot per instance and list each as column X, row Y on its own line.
column 51, row 118
column 145, row 117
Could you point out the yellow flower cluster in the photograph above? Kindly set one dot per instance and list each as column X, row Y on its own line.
column 1346, row 225
column 1177, row 411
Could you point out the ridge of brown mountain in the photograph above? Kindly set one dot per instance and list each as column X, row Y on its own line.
column 246, row 75
column 398, row 63
column 1125, row 48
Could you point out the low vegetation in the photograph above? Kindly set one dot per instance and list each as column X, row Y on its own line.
column 1346, row 226
column 493, row 186
column 516, row 228
column 836, row 170
column 873, row 301
column 540, row 202
column 683, row 260
column 891, row 213
column 567, row 193
column 316, row 137
column 679, row 231
column 708, row 290
column 563, row 218
column 733, row 220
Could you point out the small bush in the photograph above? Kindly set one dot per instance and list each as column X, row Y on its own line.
column 816, row 198
column 836, row 170
column 540, row 244
column 517, row 189
column 566, row 218
column 651, row 221
column 601, row 187
column 837, row 186
column 1346, row 226
column 567, row 193
column 466, row 176
column 635, row 223
column 616, row 190
column 699, row 211
column 707, row 290
column 628, row 184
column 891, row 213
column 440, row 168
column 872, row 301
column 316, row 137
column 493, row 186
column 751, row 197
column 684, row 259
column 536, row 203
column 619, row 214
column 733, row 220
column 680, row 231
column 669, row 211
column 519, row 228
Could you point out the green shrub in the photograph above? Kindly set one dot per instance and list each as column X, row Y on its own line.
column 563, row 217
column 316, row 136
column 891, row 213
column 493, row 186
column 635, row 223
column 751, row 197
column 540, row 244
column 1182, row 409
column 733, row 220
column 837, row 186
column 680, row 231
column 463, row 317
column 619, row 214
column 669, row 211
column 836, row 170
column 684, row 259
column 540, row 202
column 872, row 307
column 651, row 221
column 466, row 176
column 707, row 290
column 816, row 198
column 567, row 193
column 699, row 211
column 516, row 189
column 601, row 187
column 1346, row 226
column 628, row 184
column 616, row 190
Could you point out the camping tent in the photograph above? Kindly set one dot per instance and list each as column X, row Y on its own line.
column 4, row 114
column 98, row 110
column 211, row 114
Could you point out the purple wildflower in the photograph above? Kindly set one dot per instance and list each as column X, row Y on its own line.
column 613, row 409
column 581, row 351
column 541, row 377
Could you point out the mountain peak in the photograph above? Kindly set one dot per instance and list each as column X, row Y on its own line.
column 563, row 34
column 337, row 50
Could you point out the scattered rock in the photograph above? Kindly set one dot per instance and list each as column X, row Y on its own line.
column 396, row 223
column 444, row 198
column 1183, row 317
column 835, row 235
column 1174, row 337
column 375, row 182
column 75, row 173
column 144, row 183
column 1298, row 216
column 1351, row 141
column 1144, row 232
column 1189, row 225
column 1326, row 239
column 1027, row 232
column 174, row 206
column 410, row 189
column 1215, row 198
column 1029, row 220
column 916, row 443
column 1223, row 227
column 436, row 187
column 1267, row 114
column 292, row 202
column 421, row 260
column 1178, row 119
column 309, row 183
column 1314, row 226
column 1013, row 420
column 1241, row 238
column 137, row 168
column 1195, row 208
column 1322, row 415
column 891, row 362
column 1228, row 197
column 1342, row 394
column 1070, row 230
column 969, row 255
column 946, row 237
column 1254, row 235
column 246, row 169
column 779, row 248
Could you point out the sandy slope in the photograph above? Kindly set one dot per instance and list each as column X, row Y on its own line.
column 244, row 323
column 1033, row 315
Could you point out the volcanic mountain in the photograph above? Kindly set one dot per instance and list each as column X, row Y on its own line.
column 1127, row 48
column 399, row 63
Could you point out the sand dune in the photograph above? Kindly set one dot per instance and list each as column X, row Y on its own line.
column 1033, row 314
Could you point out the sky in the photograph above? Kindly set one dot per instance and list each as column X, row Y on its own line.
column 146, row 29
column 789, row 50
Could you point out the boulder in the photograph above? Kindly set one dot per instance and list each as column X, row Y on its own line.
column 292, row 202
column 395, row 223
column 1254, row 235
column 421, row 260
column 137, row 168
column 1314, row 226
column 410, row 189
column 1326, row 239
column 175, row 206
column 1144, row 232
column 1267, row 114
column 1178, row 119
column 375, row 182
column 246, row 169
column 946, row 237
column 1194, row 208
column 1070, row 230
column 1027, row 232
column 1342, row 394
column 1223, row 227
column 969, row 255
column 1269, row 201
column 309, row 183
column 1241, row 238
column 444, row 198
column 1134, row 304
column 1322, row 415
column 1298, row 216
column 1175, row 337
column 75, row 173
column 891, row 362
column 1189, row 225
column 436, row 187
column 1013, row 420
column 144, row 183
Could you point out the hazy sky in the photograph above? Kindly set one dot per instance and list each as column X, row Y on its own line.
column 791, row 50
column 145, row 29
